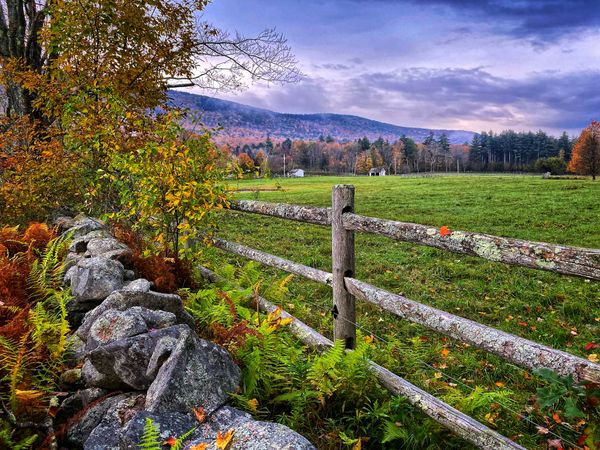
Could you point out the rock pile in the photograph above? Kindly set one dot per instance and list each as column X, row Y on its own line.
column 142, row 359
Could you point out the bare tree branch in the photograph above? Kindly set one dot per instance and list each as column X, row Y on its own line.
column 226, row 62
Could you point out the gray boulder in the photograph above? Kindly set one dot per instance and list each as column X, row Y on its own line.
column 108, row 248
column 248, row 433
column 139, row 285
column 79, row 244
column 107, row 434
column 75, row 351
column 83, row 226
column 126, row 299
column 91, row 418
column 170, row 424
column 95, row 278
column 254, row 435
column 114, row 324
column 123, row 364
column 196, row 373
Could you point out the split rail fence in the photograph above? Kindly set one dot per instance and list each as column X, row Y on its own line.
column 346, row 289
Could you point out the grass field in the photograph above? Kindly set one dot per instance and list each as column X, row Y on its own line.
column 560, row 311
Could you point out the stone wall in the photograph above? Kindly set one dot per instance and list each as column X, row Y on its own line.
column 135, row 355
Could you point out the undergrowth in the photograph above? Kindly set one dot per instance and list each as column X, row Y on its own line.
column 331, row 398
column 335, row 401
column 33, row 330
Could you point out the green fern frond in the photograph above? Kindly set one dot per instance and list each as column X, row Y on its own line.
column 46, row 273
column 181, row 439
column 151, row 436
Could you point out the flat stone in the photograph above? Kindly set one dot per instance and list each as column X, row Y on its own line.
column 139, row 285
column 124, row 299
column 255, row 435
column 113, row 325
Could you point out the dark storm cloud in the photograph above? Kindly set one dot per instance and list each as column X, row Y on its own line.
column 540, row 21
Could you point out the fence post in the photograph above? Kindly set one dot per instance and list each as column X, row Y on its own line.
column 342, row 252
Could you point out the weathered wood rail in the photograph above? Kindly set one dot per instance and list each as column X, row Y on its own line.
column 562, row 259
column 344, row 222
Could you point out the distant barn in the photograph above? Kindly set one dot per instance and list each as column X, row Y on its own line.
column 377, row 172
column 296, row 173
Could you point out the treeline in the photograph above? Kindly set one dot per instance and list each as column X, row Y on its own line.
column 488, row 152
column 518, row 151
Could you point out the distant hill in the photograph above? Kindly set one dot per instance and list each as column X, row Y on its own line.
column 242, row 121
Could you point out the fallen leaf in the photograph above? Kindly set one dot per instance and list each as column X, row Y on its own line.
column 438, row 375
column 445, row 231
column 445, row 352
column 593, row 357
column 223, row 440
column 590, row 345
column 170, row 442
column 369, row 339
column 200, row 414
column 542, row 430
column 358, row 445
column 556, row 418
column 499, row 384
column 201, row 446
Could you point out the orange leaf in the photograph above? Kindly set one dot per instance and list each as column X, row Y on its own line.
column 223, row 440
column 556, row 418
column 445, row 231
column 445, row 352
column 499, row 384
column 200, row 414
column 171, row 441
column 200, row 446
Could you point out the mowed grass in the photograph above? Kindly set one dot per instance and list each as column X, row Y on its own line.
column 560, row 311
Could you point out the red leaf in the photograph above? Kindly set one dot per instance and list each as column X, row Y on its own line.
column 591, row 345
column 171, row 441
column 445, row 231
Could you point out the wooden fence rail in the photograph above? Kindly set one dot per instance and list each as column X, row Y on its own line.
column 563, row 259
column 522, row 352
column 344, row 222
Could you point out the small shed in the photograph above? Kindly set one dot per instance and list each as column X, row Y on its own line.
column 296, row 173
column 377, row 172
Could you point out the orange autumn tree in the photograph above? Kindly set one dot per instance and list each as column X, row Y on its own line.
column 586, row 152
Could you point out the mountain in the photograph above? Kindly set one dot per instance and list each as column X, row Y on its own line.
column 242, row 121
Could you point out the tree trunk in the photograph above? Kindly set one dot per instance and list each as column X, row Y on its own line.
column 20, row 26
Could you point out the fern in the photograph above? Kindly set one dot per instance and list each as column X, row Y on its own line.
column 151, row 436
column 45, row 278
column 324, row 374
column 181, row 439
column 7, row 439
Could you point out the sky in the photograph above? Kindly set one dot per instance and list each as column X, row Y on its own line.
column 456, row 64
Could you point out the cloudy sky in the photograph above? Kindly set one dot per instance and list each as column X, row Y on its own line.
column 459, row 64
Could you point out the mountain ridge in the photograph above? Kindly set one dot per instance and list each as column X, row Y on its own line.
column 244, row 121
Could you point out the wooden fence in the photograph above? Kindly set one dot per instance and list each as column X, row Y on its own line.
column 346, row 289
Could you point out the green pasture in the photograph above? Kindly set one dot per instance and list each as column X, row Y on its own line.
column 560, row 311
